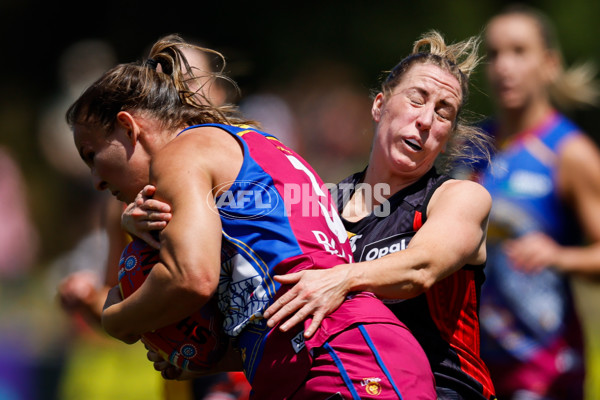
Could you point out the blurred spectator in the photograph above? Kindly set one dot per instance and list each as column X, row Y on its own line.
column 18, row 251
column 18, row 237
column 274, row 115
column 79, row 65
column 334, row 122
column 545, row 220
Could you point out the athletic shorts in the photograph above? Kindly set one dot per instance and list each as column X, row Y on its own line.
column 357, row 364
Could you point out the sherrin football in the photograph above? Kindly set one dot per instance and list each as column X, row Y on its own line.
column 194, row 343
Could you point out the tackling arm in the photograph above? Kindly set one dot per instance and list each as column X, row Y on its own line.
column 453, row 235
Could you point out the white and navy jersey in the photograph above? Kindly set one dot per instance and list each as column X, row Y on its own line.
column 445, row 319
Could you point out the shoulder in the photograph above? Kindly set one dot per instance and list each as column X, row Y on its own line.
column 464, row 188
column 457, row 193
column 204, row 143
column 579, row 149
column 579, row 161
column 579, row 158
column 205, row 149
column 200, row 140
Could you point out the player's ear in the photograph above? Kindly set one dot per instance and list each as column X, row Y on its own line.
column 376, row 108
column 127, row 121
column 553, row 66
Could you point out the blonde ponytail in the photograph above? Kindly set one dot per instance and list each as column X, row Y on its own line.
column 576, row 87
column 465, row 54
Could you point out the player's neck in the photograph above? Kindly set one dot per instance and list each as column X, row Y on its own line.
column 516, row 121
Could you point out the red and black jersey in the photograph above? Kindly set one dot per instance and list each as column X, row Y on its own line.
column 445, row 320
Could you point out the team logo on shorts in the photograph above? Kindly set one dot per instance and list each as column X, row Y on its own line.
column 372, row 385
column 298, row 342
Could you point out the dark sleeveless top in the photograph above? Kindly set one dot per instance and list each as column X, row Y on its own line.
column 444, row 320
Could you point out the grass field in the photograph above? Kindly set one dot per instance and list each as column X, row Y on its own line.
column 587, row 294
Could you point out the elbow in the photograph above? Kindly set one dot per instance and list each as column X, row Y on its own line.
column 422, row 282
column 118, row 330
column 428, row 271
column 427, row 281
column 190, row 281
column 196, row 289
column 203, row 291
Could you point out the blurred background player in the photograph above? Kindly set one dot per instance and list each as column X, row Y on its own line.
column 545, row 221
column 19, row 244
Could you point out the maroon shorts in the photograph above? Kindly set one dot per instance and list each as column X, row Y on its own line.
column 360, row 351
column 357, row 364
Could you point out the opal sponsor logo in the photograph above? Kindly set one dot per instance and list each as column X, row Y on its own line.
column 383, row 247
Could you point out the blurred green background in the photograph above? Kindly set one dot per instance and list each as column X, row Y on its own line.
column 303, row 53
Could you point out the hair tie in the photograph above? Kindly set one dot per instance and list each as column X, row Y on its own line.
column 151, row 63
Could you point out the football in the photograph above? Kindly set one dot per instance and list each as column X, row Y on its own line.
column 194, row 343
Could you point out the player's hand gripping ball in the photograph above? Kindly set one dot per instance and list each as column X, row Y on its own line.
column 194, row 343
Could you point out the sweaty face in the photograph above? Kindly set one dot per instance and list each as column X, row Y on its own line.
column 517, row 61
column 112, row 161
column 415, row 121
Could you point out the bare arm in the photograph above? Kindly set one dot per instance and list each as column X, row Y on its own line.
column 579, row 186
column 78, row 292
column 188, row 274
column 452, row 236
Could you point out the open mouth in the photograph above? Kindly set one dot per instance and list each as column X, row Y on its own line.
column 413, row 144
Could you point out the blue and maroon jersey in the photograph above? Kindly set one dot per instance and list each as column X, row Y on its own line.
column 531, row 337
column 278, row 217
column 444, row 319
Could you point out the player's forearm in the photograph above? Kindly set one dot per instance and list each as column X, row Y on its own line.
column 93, row 310
column 583, row 260
column 163, row 299
column 401, row 275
